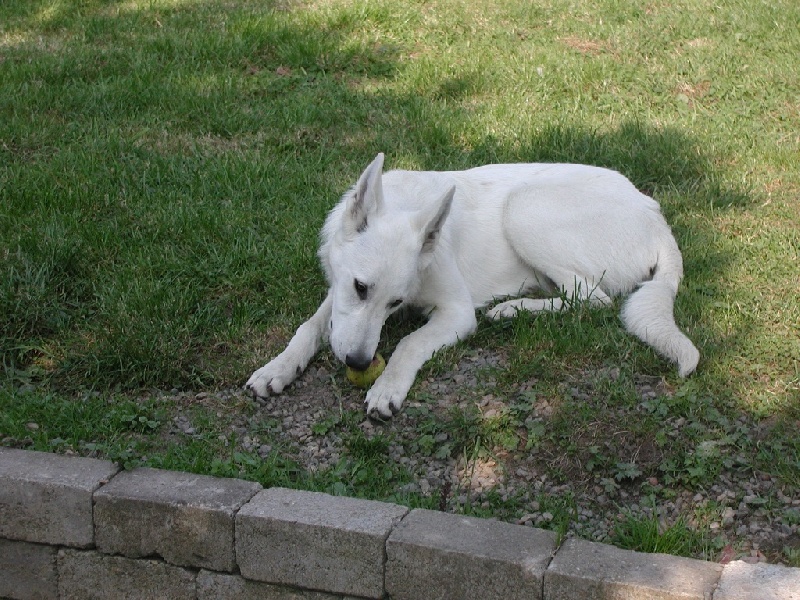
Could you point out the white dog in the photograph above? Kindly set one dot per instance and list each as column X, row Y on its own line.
column 451, row 242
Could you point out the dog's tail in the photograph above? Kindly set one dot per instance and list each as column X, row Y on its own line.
column 648, row 312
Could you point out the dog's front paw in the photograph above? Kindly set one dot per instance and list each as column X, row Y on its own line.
column 272, row 377
column 384, row 400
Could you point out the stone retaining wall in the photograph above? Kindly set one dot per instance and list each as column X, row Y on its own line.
column 81, row 528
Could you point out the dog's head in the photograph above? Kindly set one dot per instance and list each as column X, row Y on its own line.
column 374, row 254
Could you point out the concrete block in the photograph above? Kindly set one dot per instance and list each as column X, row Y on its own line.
column 742, row 581
column 593, row 571
column 439, row 555
column 88, row 575
column 315, row 541
column 27, row 571
column 47, row 498
column 221, row 586
column 184, row 518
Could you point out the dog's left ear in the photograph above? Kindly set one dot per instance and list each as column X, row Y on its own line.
column 433, row 227
column 367, row 198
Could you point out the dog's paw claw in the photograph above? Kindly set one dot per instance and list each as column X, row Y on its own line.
column 384, row 400
column 272, row 378
column 376, row 415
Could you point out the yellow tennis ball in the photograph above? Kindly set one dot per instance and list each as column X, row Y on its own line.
column 364, row 379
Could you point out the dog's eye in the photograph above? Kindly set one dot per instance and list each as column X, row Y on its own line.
column 396, row 303
column 361, row 288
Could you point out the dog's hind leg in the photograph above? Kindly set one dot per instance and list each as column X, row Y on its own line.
column 573, row 289
column 284, row 368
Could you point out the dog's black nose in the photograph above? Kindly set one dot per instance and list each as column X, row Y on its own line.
column 357, row 362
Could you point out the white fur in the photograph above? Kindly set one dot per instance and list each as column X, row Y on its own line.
column 451, row 242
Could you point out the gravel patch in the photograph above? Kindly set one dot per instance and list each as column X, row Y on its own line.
column 743, row 514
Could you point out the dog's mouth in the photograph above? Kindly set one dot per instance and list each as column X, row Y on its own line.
column 360, row 365
column 373, row 363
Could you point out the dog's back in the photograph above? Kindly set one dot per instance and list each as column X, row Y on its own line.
column 510, row 225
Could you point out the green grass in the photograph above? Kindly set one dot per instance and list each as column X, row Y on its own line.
column 649, row 534
column 165, row 166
